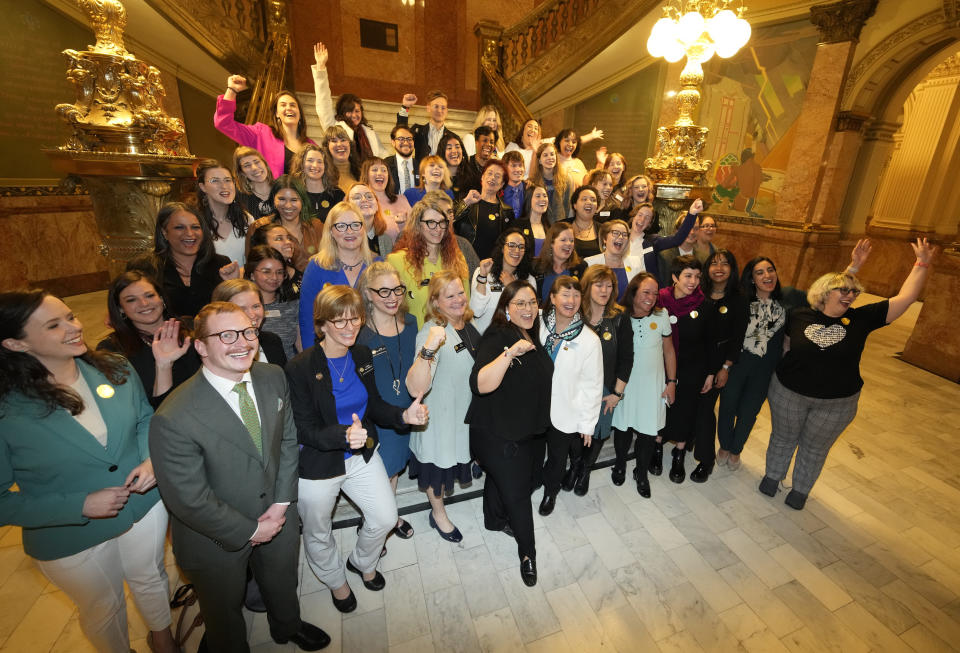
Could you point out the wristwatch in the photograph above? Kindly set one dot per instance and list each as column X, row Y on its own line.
column 673, row 381
column 618, row 394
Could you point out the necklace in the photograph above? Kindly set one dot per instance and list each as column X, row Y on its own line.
column 393, row 373
column 346, row 361
column 349, row 268
column 587, row 231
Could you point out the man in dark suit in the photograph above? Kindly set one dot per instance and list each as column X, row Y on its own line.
column 402, row 139
column 224, row 451
column 426, row 137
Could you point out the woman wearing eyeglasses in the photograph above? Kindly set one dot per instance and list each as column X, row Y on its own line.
column 426, row 246
column 336, row 403
column 343, row 256
column 511, row 261
column 391, row 334
column 615, row 238
column 374, row 226
column 814, row 392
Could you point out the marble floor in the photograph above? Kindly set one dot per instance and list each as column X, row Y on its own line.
column 872, row 563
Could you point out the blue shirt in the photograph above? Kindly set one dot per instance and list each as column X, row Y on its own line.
column 513, row 197
column 414, row 195
column 350, row 395
column 315, row 279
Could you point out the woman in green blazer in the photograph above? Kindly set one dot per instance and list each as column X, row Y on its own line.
column 73, row 439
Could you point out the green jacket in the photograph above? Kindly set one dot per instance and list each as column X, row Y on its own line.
column 56, row 463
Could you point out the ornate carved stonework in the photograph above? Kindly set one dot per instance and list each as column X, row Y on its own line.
column 950, row 67
column 881, row 50
column 852, row 121
column 842, row 21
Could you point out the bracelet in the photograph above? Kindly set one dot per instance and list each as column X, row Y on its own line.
column 482, row 278
column 619, row 395
column 427, row 354
column 673, row 381
column 921, row 264
column 726, row 367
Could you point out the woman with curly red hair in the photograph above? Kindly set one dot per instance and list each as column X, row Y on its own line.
column 426, row 246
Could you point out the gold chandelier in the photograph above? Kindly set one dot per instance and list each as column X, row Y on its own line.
column 695, row 29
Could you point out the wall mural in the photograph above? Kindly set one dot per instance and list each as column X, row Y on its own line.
column 751, row 103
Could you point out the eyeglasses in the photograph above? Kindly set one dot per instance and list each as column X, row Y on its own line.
column 230, row 336
column 619, row 234
column 519, row 247
column 365, row 196
column 403, row 139
column 342, row 322
column 385, row 292
column 847, row 291
column 216, row 181
column 435, row 224
column 519, row 303
column 352, row 226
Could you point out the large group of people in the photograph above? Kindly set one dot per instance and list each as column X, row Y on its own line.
column 320, row 317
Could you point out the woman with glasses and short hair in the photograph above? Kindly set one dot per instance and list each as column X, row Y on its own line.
column 343, row 256
column 426, row 246
column 814, row 392
column 335, row 402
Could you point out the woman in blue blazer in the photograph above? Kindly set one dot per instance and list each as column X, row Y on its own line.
column 73, row 438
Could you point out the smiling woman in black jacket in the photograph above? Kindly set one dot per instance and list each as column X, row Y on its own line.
column 335, row 405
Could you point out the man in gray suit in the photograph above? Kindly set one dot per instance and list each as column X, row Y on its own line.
column 224, row 451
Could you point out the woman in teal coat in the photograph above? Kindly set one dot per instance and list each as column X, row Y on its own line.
column 73, row 439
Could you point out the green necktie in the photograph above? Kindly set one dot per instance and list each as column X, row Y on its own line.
column 248, row 413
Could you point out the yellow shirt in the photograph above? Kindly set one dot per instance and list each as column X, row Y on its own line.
column 417, row 287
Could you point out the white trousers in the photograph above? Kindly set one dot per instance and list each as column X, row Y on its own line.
column 93, row 579
column 369, row 488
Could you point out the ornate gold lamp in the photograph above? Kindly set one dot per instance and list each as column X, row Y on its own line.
column 129, row 154
column 695, row 29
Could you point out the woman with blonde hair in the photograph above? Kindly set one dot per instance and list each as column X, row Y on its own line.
column 252, row 175
column 427, row 246
column 489, row 116
column 434, row 175
column 390, row 332
column 310, row 169
column 447, row 346
column 342, row 258
column 816, row 387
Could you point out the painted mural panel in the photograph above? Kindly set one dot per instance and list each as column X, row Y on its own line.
column 751, row 103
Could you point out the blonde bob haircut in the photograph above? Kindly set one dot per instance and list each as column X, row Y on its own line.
column 226, row 290
column 819, row 289
column 377, row 270
column 438, row 282
column 326, row 256
column 335, row 302
column 427, row 160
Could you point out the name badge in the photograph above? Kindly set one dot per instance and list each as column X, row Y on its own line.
column 496, row 287
column 365, row 369
column 459, row 347
column 379, row 350
column 618, row 197
column 271, row 313
column 604, row 214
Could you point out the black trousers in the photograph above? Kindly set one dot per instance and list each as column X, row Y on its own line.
column 512, row 470
column 560, row 445
column 705, row 430
column 643, row 449
column 221, row 585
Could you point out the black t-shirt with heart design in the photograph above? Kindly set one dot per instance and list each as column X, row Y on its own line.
column 824, row 356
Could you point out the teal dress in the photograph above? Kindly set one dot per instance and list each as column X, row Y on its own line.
column 642, row 407
column 392, row 359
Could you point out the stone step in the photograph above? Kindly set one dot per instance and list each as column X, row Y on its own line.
column 383, row 116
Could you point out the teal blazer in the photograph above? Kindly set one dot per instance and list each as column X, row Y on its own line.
column 56, row 463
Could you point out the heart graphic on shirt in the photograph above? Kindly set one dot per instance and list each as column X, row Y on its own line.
column 824, row 336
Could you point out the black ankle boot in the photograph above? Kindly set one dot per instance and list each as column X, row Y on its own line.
column 677, row 471
column 547, row 504
column 769, row 486
column 589, row 458
column 643, row 484
column 618, row 474
column 796, row 500
column 571, row 475
column 701, row 473
column 656, row 463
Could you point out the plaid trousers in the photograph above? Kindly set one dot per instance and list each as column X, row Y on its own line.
column 807, row 425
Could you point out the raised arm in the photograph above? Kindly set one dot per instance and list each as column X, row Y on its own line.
column 321, row 86
column 224, row 119
column 676, row 239
column 420, row 375
column 914, row 282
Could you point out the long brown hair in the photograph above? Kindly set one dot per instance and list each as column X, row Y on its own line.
column 415, row 246
column 277, row 127
column 22, row 372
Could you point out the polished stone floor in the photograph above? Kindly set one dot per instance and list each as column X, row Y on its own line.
column 872, row 563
